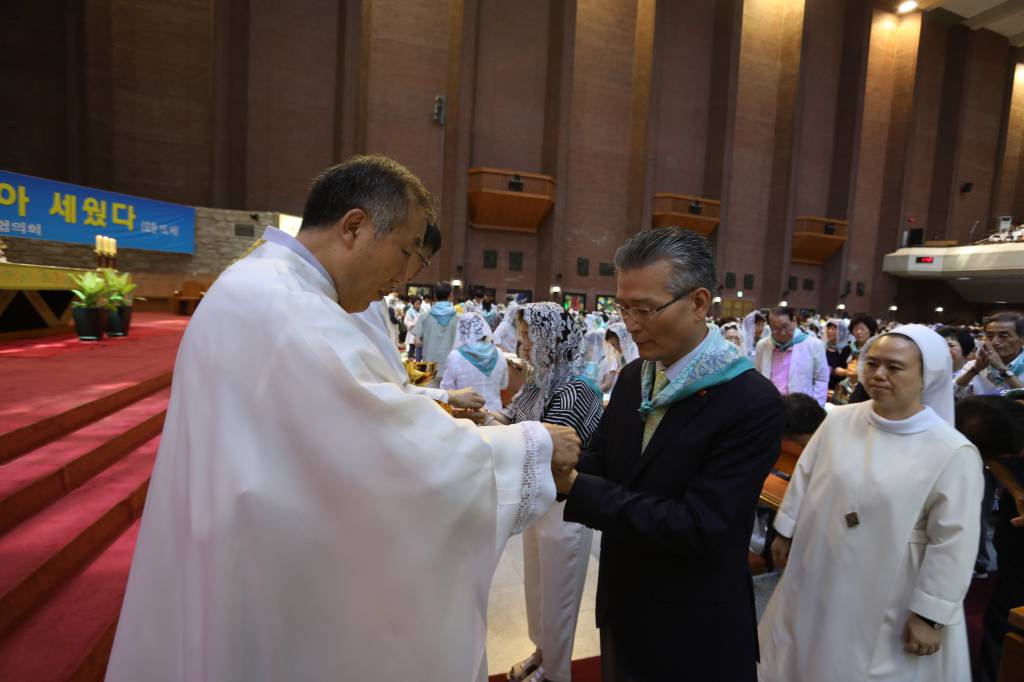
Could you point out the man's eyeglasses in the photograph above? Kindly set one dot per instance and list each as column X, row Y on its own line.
column 424, row 262
column 641, row 313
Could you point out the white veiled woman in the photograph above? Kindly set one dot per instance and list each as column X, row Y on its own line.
column 555, row 552
column 879, row 531
column 476, row 362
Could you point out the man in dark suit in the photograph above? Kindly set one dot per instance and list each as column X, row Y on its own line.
column 672, row 477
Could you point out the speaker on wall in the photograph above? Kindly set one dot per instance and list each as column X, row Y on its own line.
column 915, row 237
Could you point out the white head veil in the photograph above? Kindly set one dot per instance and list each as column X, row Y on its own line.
column 626, row 344
column 472, row 327
column 749, row 332
column 937, row 367
column 842, row 332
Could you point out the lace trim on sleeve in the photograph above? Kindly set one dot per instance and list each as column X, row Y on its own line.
column 531, row 482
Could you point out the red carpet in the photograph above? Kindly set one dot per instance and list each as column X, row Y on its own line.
column 78, row 437
column 35, row 388
column 52, row 346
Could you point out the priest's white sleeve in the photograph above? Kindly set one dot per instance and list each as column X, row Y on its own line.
column 953, row 528
column 789, row 510
column 522, row 473
column 438, row 394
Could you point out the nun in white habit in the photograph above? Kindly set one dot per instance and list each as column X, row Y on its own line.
column 879, row 531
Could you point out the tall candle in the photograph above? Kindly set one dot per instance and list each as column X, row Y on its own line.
column 113, row 246
column 99, row 244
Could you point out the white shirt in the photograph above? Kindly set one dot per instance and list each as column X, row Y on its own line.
column 461, row 373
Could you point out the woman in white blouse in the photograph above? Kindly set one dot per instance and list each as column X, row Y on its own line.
column 476, row 362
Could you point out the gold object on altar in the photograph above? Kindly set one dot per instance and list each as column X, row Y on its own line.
column 420, row 373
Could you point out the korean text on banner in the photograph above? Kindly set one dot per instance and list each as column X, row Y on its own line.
column 37, row 208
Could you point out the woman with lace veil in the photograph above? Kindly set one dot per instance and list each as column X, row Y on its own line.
column 555, row 552
column 476, row 362
column 620, row 350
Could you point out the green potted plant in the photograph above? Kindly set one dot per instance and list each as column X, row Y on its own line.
column 119, row 288
column 91, row 306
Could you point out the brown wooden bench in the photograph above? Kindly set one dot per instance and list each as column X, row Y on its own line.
column 774, row 487
column 185, row 299
column 1011, row 668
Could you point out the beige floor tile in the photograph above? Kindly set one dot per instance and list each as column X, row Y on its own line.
column 508, row 639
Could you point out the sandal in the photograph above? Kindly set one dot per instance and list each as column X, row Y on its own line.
column 524, row 668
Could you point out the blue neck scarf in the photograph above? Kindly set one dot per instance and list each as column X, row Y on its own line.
column 714, row 362
column 799, row 336
column 489, row 314
column 443, row 312
column 482, row 354
column 591, row 383
column 1016, row 368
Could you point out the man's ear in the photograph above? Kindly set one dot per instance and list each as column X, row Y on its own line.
column 701, row 303
column 349, row 225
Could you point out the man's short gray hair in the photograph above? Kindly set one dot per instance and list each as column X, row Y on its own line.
column 689, row 254
column 378, row 185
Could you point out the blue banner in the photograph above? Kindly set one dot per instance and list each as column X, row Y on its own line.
column 37, row 208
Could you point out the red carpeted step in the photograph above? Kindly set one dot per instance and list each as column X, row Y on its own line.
column 70, row 636
column 46, row 474
column 43, row 552
column 18, row 442
column 37, row 388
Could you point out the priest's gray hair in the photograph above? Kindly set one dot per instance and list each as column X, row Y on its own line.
column 378, row 185
column 689, row 253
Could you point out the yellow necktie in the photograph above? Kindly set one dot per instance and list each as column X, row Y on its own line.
column 653, row 419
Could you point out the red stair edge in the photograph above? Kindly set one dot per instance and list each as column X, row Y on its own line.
column 30, row 591
column 19, row 441
column 21, row 503
column 57, row 638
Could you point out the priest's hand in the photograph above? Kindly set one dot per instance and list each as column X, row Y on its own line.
column 565, row 452
column 920, row 638
column 780, row 551
column 466, row 399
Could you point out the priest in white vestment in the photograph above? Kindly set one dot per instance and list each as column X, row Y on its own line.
column 879, row 531
column 308, row 518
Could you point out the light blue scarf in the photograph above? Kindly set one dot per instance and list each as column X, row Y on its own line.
column 483, row 355
column 443, row 312
column 489, row 315
column 715, row 362
column 591, row 383
column 1016, row 368
column 799, row 336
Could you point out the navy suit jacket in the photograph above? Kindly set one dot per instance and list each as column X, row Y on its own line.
column 676, row 521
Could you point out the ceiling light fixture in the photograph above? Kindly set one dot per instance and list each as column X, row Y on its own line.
column 908, row 6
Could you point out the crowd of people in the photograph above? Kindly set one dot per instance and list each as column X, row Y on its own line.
column 370, row 547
